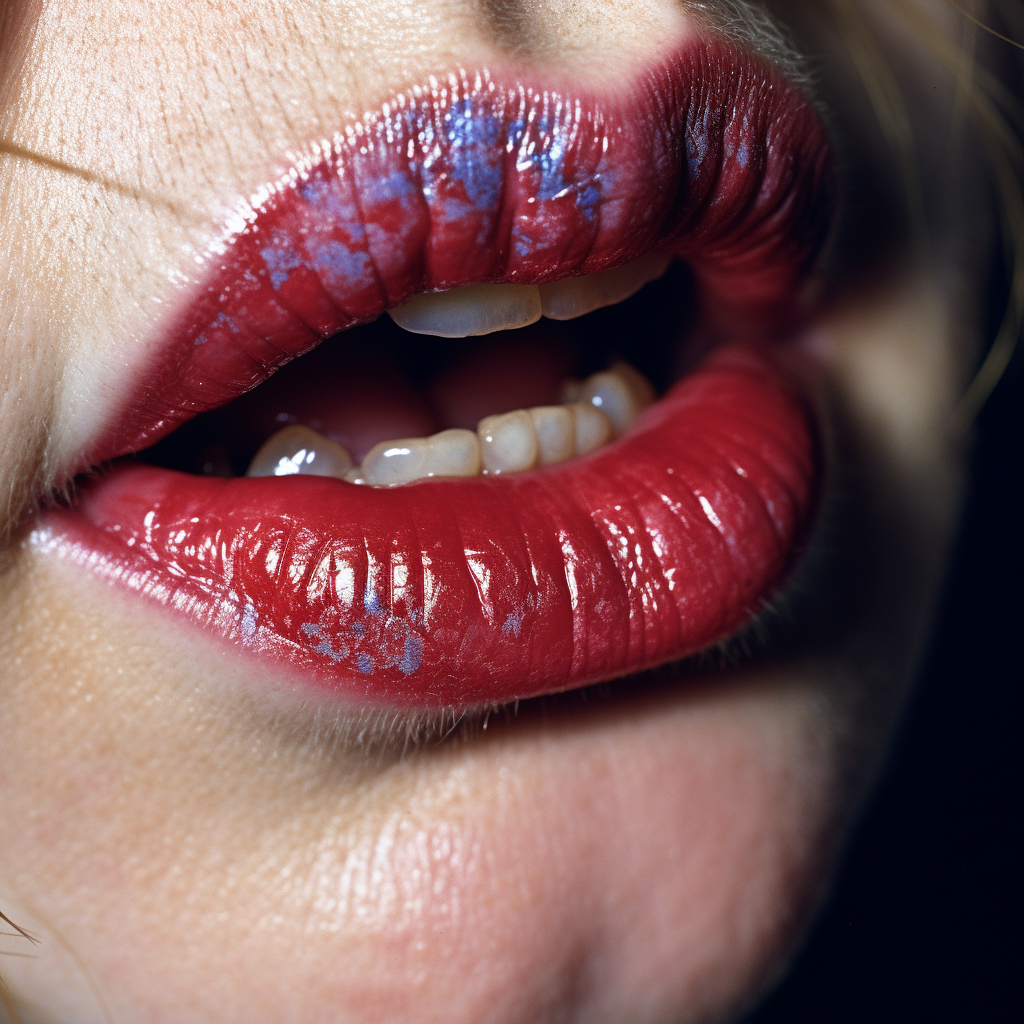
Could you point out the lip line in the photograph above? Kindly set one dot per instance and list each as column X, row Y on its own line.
column 788, row 228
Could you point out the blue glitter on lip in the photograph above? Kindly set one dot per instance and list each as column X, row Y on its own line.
column 514, row 134
column 513, row 624
column 412, row 655
column 396, row 185
column 221, row 320
column 365, row 664
column 522, row 244
column 454, row 209
column 337, row 264
column 280, row 262
column 474, row 156
column 249, row 619
column 587, row 200
column 324, row 647
column 325, row 197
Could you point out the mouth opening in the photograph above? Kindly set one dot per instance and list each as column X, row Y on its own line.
column 363, row 405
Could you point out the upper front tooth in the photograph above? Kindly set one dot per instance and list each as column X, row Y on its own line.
column 508, row 442
column 472, row 310
column 449, row 453
column 623, row 393
column 575, row 296
column 297, row 450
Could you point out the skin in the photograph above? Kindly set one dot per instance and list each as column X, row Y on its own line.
column 190, row 846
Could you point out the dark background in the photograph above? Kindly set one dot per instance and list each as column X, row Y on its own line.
column 925, row 919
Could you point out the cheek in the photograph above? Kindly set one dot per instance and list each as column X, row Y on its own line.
column 610, row 862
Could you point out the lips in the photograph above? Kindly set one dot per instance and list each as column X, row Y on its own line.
column 460, row 592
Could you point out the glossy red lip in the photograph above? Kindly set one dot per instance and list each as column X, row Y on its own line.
column 460, row 592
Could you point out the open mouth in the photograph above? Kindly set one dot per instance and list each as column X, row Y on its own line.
column 412, row 522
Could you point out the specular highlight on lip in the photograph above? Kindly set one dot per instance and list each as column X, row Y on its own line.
column 479, row 178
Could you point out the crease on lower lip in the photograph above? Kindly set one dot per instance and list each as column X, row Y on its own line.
column 480, row 178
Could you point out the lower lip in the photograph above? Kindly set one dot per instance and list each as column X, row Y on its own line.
column 467, row 592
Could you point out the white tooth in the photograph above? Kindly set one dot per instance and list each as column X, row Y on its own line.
column 508, row 442
column 643, row 390
column 297, row 450
column 449, row 453
column 474, row 309
column 556, row 433
column 454, row 452
column 622, row 393
column 593, row 428
column 564, row 300
column 395, row 462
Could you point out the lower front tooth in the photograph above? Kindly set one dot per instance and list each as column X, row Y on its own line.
column 449, row 453
column 508, row 442
column 593, row 427
column 556, row 433
column 623, row 393
column 454, row 452
column 299, row 451
column 471, row 310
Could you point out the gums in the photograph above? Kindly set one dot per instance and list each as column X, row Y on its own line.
column 468, row 592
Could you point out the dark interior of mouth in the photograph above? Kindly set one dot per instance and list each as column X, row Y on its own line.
column 378, row 382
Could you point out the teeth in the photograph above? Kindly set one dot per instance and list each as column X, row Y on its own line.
column 564, row 300
column 449, row 453
column 556, row 433
column 593, row 428
column 483, row 308
column 508, row 443
column 622, row 392
column 475, row 309
column 297, row 450
column 603, row 406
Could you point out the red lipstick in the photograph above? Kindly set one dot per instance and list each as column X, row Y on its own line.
column 461, row 592
column 711, row 156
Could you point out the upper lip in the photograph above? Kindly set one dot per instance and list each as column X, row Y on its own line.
column 478, row 178
column 711, row 155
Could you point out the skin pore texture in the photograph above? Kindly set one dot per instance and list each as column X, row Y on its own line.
column 190, row 840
